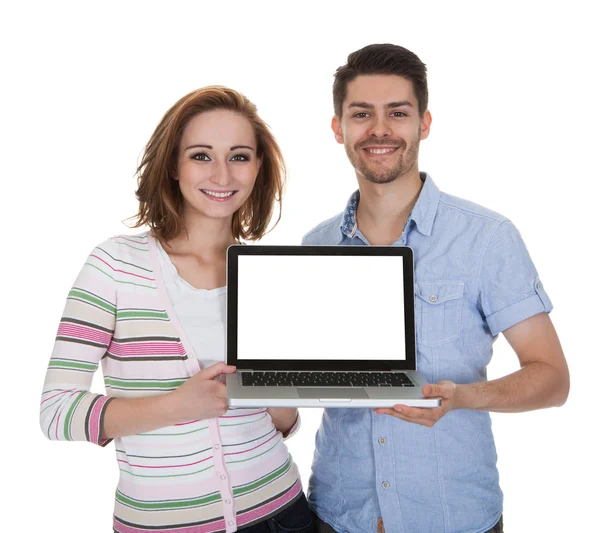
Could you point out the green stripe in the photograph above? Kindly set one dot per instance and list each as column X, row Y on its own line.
column 85, row 296
column 169, row 505
column 109, row 382
column 70, row 414
column 170, row 475
column 260, row 482
column 119, row 281
column 71, row 364
column 142, row 314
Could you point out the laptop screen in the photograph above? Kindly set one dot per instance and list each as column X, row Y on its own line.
column 320, row 307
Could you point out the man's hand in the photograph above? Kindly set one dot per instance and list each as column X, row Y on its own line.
column 447, row 390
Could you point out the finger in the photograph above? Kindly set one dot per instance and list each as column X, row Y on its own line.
column 396, row 414
column 444, row 389
column 213, row 371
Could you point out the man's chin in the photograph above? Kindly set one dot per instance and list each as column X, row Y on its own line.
column 380, row 179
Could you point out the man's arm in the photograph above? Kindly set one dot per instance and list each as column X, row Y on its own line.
column 543, row 380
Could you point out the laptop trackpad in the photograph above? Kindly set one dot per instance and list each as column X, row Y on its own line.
column 338, row 392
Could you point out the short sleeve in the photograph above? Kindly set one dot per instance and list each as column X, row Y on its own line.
column 510, row 287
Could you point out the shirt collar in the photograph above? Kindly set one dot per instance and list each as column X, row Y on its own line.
column 423, row 212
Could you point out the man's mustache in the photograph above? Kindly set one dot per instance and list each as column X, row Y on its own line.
column 380, row 142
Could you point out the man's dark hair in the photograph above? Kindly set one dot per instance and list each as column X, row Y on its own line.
column 381, row 59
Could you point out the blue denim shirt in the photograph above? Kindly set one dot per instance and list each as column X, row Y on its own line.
column 474, row 278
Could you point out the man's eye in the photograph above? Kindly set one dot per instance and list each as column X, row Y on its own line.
column 361, row 115
column 399, row 114
column 240, row 157
column 201, row 157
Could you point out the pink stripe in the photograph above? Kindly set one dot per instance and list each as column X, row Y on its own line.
column 83, row 332
column 63, row 392
column 249, row 414
column 186, row 423
column 255, row 514
column 165, row 466
column 121, row 271
column 146, row 348
column 94, row 426
column 217, row 525
column 250, row 449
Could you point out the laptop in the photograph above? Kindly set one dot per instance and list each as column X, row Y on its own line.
column 322, row 326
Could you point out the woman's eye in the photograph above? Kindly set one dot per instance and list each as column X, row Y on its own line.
column 240, row 157
column 201, row 157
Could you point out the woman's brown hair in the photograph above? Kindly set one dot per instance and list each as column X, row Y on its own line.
column 161, row 201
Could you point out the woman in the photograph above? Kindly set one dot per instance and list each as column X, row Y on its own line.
column 150, row 307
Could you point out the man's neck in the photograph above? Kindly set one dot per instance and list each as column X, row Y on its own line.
column 383, row 209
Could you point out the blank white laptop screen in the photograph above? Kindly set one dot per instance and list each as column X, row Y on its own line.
column 320, row 307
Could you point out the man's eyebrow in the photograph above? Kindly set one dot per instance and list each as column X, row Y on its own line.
column 390, row 105
column 403, row 103
column 363, row 105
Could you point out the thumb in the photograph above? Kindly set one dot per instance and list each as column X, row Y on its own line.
column 445, row 389
column 213, row 371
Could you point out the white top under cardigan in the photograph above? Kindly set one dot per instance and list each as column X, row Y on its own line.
column 201, row 312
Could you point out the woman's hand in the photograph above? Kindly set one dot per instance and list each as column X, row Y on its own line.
column 202, row 396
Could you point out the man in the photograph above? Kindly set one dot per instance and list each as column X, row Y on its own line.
column 412, row 470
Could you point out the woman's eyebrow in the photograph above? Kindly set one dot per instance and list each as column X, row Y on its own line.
column 199, row 146
column 237, row 146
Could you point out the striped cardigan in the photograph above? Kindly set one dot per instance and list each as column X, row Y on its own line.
column 198, row 477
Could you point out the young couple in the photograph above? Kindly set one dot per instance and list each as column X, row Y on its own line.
column 150, row 308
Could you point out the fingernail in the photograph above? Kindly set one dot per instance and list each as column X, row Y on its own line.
column 398, row 409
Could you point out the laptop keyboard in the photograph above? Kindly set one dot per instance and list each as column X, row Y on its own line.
column 326, row 379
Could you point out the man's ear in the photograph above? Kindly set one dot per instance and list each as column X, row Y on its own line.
column 425, row 124
column 336, row 126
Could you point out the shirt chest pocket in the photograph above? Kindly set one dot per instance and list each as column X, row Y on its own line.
column 438, row 309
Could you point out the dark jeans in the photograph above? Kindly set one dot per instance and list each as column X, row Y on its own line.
column 324, row 527
column 296, row 518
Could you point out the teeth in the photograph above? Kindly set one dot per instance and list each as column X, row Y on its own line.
column 218, row 194
column 380, row 150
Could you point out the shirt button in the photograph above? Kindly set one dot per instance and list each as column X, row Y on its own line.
column 227, row 502
column 539, row 285
column 433, row 298
column 385, row 484
column 382, row 440
column 223, row 477
column 217, row 446
column 230, row 523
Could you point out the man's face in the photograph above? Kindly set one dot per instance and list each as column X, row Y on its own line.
column 380, row 127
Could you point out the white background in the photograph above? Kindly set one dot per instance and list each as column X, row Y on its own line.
column 320, row 307
column 514, row 98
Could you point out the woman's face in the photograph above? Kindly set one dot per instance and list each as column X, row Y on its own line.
column 217, row 163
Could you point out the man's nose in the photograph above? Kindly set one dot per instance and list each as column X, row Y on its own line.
column 381, row 127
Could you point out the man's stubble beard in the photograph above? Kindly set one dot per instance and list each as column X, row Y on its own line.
column 407, row 161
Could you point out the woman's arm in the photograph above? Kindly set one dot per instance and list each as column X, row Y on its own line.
column 199, row 398
column 68, row 410
column 285, row 419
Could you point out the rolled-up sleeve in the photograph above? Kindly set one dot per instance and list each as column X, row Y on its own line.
column 510, row 287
